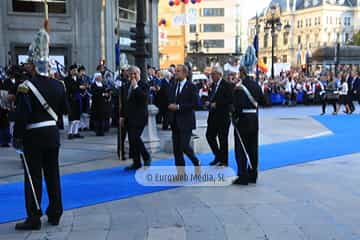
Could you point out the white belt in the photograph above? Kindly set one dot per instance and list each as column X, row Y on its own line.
column 249, row 111
column 41, row 124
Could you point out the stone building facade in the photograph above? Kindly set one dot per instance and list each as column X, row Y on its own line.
column 78, row 32
column 313, row 24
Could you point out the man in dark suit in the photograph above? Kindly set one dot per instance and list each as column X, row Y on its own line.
column 350, row 81
column 122, row 84
column 356, row 85
column 183, row 100
column 163, row 96
column 136, row 117
column 219, row 117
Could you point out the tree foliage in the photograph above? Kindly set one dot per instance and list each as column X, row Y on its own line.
column 355, row 39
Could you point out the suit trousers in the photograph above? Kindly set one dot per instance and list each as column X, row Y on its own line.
column 251, row 144
column 124, row 132
column 181, row 145
column 137, row 145
column 45, row 160
column 218, row 132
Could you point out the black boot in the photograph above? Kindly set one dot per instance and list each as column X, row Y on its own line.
column 54, row 221
column 29, row 224
column 132, row 167
column 241, row 180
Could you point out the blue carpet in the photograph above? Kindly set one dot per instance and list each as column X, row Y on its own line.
column 94, row 187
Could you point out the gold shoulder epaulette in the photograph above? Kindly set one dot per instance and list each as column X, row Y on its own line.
column 22, row 88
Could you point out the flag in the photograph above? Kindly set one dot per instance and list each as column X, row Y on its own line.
column 262, row 66
column 256, row 44
column 117, row 54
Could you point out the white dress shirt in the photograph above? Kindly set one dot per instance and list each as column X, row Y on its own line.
column 182, row 84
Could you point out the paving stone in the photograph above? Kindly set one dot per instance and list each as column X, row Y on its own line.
column 131, row 233
column 239, row 231
column 169, row 233
column 92, row 222
column 88, row 235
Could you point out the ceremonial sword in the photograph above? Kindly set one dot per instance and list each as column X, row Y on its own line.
column 242, row 144
column 27, row 171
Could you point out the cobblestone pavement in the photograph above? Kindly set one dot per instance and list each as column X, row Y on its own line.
column 317, row 200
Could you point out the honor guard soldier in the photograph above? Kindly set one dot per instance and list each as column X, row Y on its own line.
column 247, row 96
column 39, row 102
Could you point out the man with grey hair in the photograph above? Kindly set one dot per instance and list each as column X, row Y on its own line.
column 218, row 121
column 163, row 96
column 135, row 113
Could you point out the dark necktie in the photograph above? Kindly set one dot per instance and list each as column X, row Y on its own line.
column 213, row 92
column 178, row 90
column 129, row 92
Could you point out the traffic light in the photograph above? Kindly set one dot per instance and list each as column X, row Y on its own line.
column 133, row 35
column 148, row 48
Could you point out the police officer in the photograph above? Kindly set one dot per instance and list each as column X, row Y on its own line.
column 247, row 96
column 37, row 134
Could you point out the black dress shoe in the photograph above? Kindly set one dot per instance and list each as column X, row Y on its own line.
column 147, row 163
column 241, row 181
column 253, row 175
column 132, row 167
column 197, row 163
column 5, row 145
column 78, row 136
column 70, row 136
column 54, row 221
column 252, row 180
column 29, row 224
column 221, row 164
column 214, row 162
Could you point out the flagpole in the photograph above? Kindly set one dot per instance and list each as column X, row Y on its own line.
column 46, row 20
column 257, row 46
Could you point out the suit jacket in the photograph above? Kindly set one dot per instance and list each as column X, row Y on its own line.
column 184, row 118
column 29, row 110
column 223, row 99
column 350, row 83
column 163, row 95
column 135, row 104
column 356, row 85
column 247, row 122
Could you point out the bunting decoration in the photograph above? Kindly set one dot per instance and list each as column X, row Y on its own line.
column 178, row 2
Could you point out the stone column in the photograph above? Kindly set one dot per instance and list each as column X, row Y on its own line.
column 3, row 47
column 150, row 135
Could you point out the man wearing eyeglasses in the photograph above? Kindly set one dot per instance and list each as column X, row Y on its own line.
column 136, row 117
column 218, row 121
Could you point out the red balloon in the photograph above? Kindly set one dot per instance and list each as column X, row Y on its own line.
column 186, row 1
column 199, row 1
column 177, row 2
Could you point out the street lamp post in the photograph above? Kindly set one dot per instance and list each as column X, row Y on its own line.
column 140, row 51
column 273, row 23
column 196, row 49
column 256, row 43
